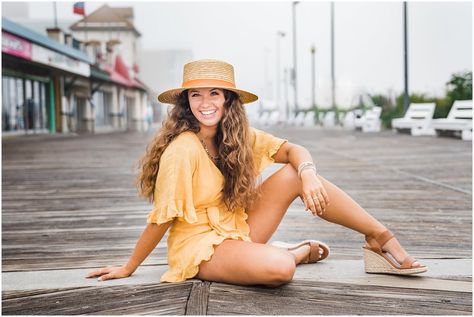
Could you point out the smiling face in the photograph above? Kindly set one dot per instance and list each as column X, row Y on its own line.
column 207, row 105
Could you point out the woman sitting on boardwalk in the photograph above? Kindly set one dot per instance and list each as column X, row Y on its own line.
column 201, row 173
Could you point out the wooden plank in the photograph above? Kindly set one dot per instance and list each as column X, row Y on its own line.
column 19, row 294
column 321, row 298
column 198, row 299
column 64, row 198
column 57, row 196
column 156, row 299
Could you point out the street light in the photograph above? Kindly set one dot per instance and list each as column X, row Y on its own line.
column 333, row 76
column 313, row 76
column 286, row 84
column 280, row 34
column 293, row 74
column 405, row 55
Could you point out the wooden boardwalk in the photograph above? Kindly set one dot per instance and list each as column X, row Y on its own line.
column 69, row 205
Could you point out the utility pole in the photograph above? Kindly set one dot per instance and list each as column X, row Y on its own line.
column 55, row 16
column 313, row 76
column 313, row 84
column 294, row 74
column 333, row 79
column 266, row 79
column 406, row 99
column 287, row 103
column 280, row 34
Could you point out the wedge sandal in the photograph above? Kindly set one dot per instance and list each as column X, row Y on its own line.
column 378, row 261
column 314, row 246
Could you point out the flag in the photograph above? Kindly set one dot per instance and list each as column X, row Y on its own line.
column 78, row 8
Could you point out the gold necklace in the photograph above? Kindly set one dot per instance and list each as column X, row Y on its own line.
column 214, row 158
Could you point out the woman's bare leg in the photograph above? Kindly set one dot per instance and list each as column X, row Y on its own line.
column 248, row 263
column 267, row 212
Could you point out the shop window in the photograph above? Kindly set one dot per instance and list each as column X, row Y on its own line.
column 12, row 104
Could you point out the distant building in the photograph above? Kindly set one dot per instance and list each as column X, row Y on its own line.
column 112, row 40
column 84, row 81
column 37, row 74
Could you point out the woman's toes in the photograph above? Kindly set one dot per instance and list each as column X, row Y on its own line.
column 416, row 264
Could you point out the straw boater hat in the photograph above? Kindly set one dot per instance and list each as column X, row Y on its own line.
column 207, row 73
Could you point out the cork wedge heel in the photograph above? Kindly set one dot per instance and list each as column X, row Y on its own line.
column 314, row 254
column 380, row 262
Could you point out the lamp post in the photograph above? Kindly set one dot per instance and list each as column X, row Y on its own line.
column 266, row 79
column 293, row 74
column 333, row 79
column 280, row 34
column 313, row 76
column 55, row 15
column 287, row 104
column 313, row 83
column 405, row 55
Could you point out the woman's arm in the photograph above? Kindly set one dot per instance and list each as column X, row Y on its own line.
column 314, row 197
column 292, row 153
column 148, row 240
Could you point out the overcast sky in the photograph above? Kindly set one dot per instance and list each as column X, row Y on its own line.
column 368, row 41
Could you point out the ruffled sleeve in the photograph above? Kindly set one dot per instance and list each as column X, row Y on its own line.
column 265, row 146
column 173, row 195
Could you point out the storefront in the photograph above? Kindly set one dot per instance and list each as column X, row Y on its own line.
column 37, row 73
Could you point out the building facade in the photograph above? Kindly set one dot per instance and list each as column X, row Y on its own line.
column 81, row 82
column 112, row 40
column 36, row 72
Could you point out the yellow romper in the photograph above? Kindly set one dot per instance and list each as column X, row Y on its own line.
column 188, row 190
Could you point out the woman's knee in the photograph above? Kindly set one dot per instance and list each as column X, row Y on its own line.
column 281, row 269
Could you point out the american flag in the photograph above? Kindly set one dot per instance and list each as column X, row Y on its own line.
column 78, row 8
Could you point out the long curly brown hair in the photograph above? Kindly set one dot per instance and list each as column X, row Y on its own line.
column 232, row 141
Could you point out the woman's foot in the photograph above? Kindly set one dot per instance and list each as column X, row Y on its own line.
column 395, row 250
column 383, row 254
column 301, row 254
column 305, row 251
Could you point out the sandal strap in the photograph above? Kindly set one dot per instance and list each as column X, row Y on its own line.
column 314, row 255
column 379, row 241
column 408, row 262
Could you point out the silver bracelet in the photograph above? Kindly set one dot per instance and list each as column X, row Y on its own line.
column 306, row 165
column 306, row 168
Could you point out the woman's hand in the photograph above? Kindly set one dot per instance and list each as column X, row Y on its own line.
column 314, row 197
column 108, row 273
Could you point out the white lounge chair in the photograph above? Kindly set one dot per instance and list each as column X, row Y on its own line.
column 358, row 118
column 459, row 120
column 309, row 119
column 368, row 121
column 371, row 120
column 417, row 119
column 349, row 120
column 329, row 120
column 298, row 121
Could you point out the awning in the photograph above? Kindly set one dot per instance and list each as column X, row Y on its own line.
column 119, row 74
